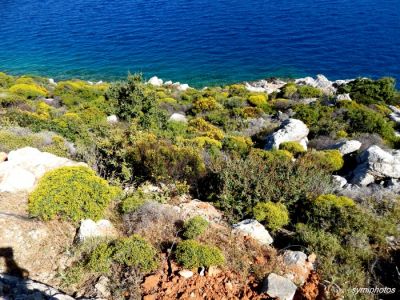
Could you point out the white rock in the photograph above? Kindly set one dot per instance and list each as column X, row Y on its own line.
column 343, row 97
column 395, row 115
column 155, row 81
column 291, row 130
column 199, row 208
column 15, row 179
column 254, row 89
column 279, row 287
column 112, row 119
column 169, row 82
column 51, row 81
column 376, row 163
column 347, row 147
column 321, row 82
column 102, row 286
column 183, row 87
column 177, row 117
column 100, row 229
column 253, row 229
column 341, row 181
column 291, row 258
column 26, row 165
column 186, row 274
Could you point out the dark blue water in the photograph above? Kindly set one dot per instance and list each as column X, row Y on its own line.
column 200, row 41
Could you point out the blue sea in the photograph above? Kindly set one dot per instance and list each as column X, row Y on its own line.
column 200, row 42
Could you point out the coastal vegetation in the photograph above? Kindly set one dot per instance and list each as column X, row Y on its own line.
column 215, row 151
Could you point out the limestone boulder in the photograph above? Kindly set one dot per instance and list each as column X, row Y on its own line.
column 90, row 229
column 254, row 230
column 291, row 130
column 279, row 287
column 347, row 147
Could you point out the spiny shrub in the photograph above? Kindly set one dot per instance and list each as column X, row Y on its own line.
column 28, row 90
column 192, row 254
column 274, row 215
column 135, row 251
column 194, row 227
column 206, row 142
column 72, row 193
column 293, row 147
column 258, row 100
column 202, row 127
column 204, row 104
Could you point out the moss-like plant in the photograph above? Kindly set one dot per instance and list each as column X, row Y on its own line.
column 72, row 193
column 274, row 215
column 136, row 252
column 192, row 254
column 194, row 227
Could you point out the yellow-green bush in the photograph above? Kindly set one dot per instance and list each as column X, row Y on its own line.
column 258, row 100
column 249, row 112
column 338, row 201
column 274, row 215
column 273, row 156
column 192, row 254
column 203, row 128
column 100, row 259
column 135, row 251
column 293, row 147
column 71, row 193
column 203, row 104
column 194, row 227
column 204, row 142
column 28, row 90
column 25, row 80
column 289, row 90
column 341, row 134
column 330, row 159
column 6, row 80
column 240, row 144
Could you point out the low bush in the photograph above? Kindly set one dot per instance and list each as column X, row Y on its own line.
column 293, row 147
column 330, row 160
column 203, row 104
column 6, row 80
column 239, row 144
column 258, row 100
column 101, row 258
column 72, row 193
column 28, row 90
column 135, row 251
column 202, row 127
column 192, row 254
column 305, row 91
column 194, row 227
column 274, row 215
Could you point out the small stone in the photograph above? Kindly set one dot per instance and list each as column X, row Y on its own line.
column 279, row 287
column 185, row 274
column 255, row 230
column 112, row 119
column 90, row 229
column 178, row 117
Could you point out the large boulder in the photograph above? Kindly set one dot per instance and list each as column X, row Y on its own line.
column 90, row 229
column 347, row 147
column 279, row 287
column 376, row 164
column 321, row 82
column 25, row 166
column 291, row 130
column 255, row 230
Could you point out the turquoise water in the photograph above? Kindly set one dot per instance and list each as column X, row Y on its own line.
column 200, row 42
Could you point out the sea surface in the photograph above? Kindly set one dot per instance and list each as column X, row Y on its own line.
column 200, row 42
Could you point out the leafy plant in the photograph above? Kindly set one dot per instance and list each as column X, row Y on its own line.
column 194, row 227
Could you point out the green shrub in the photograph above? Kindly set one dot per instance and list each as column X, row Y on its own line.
column 368, row 91
column 338, row 201
column 274, row 215
column 204, row 104
column 136, row 252
column 258, row 100
column 134, row 100
column 192, row 254
column 289, row 90
column 72, row 193
column 194, row 227
column 28, row 90
column 132, row 202
column 331, row 160
column 202, row 127
column 293, row 147
column 306, row 91
column 100, row 259
column 239, row 144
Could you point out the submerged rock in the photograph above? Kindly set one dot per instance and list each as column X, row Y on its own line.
column 291, row 130
column 255, row 230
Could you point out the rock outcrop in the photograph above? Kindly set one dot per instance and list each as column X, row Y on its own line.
column 347, row 147
column 298, row 265
column 376, row 164
column 265, row 86
column 25, row 166
column 100, row 229
column 321, row 82
column 291, row 130
column 255, row 230
column 279, row 287
column 155, row 81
